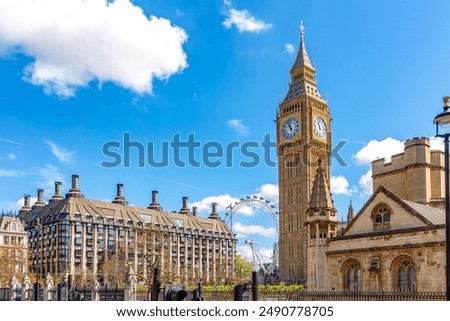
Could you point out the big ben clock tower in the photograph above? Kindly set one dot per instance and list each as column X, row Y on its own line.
column 303, row 140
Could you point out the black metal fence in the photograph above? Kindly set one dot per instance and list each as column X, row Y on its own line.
column 4, row 294
column 369, row 296
column 105, row 293
column 76, row 293
column 328, row 296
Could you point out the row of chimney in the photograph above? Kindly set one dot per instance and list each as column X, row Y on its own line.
column 119, row 199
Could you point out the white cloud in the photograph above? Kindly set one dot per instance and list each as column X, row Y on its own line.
column 247, row 230
column 436, row 143
column 340, row 186
column 8, row 140
column 223, row 202
column 366, row 183
column 378, row 149
column 60, row 153
column 11, row 156
column 289, row 48
column 269, row 192
column 238, row 126
column 10, row 173
column 243, row 20
column 48, row 175
column 19, row 204
column 246, row 252
column 74, row 42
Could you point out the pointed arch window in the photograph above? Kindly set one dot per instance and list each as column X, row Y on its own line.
column 353, row 277
column 406, row 277
column 381, row 217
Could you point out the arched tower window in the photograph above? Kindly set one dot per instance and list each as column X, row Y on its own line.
column 381, row 217
column 352, row 275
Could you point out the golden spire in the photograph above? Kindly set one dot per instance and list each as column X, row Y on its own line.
column 302, row 59
column 303, row 75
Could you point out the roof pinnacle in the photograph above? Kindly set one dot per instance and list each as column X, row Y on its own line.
column 350, row 214
column 320, row 195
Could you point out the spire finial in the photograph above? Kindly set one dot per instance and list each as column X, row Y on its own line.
column 302, row 57
column 350, row 214
column 446, row 100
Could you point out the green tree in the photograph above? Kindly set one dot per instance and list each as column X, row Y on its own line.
column 15, row 260
column 243, row 267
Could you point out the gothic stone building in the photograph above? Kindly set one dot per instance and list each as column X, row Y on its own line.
column 396, row 241
column 13, row 248
column 76, row 235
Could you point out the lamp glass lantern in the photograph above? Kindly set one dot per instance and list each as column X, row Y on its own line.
column 442, row 120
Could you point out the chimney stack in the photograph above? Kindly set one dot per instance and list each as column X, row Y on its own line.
column 214, row 215
column 26, row 204
column 75, row 190
column 154, row 205
column 185, row 208
column 57, row 196
column 119, row 189
column 194, row 210
column 75, row 182
column 40, row 195
column 154, row 196
column 120, row 199
column 40, row 199
column 27, row 200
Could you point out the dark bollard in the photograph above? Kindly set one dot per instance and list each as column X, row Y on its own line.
column 239, row 290
column 36, row 291
column 254, row 286
column 197, row 295
column 59, row 292
column 156, row 285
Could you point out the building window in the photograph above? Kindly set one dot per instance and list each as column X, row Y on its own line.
column 406, row 279
column 352, row 276
column 382, row 218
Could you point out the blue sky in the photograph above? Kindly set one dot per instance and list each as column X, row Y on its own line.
column 74, row 77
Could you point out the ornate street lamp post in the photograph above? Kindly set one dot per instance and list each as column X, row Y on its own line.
column 442, row 122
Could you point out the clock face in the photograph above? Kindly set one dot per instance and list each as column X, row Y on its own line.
column 320, row 128
column 290, row 128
